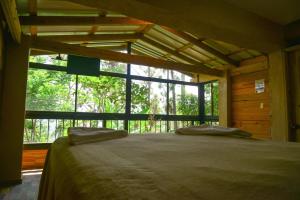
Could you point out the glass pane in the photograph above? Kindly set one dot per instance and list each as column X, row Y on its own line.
column 140, row 70
column 55, row 59
column 183, row 100
column 148, row 97
column 215, row 97
column 175, row 75
column 102, row 94
column 50, row 91
column 207, row 99
column 112, row 66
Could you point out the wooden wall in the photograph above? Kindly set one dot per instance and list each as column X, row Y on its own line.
column 251, row 111
column 33, row 159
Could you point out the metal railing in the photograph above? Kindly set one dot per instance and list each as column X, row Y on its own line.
column 48, row 130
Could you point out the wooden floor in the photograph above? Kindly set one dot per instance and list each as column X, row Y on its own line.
column 28, row 190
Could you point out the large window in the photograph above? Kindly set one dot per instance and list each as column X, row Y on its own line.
column 50, row 91
column 148, row 97
column 102, row 94
column 183, row 99
column 140, row 99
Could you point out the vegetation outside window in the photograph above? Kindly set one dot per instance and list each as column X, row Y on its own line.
column 102, row 94
column 148, row 97
column 50, row 91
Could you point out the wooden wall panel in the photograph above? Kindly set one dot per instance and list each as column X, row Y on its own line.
column 251, row 111
column 33, row 159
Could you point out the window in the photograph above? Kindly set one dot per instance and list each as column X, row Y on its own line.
column 148, row 97
column 112, row 66
column 145, row 71
column 183, row 100
column 55, row 59
column 157, row 100
column 50, row 91
column 102, row 94
column 211, row 96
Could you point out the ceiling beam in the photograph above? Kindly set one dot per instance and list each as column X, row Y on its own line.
column 37, row 52
column 203, row 46
column 10, row 12
column 213, row 19
column 94, row 37
column 78, row 21
column 120, row 57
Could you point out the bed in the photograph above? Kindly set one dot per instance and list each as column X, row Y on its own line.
column 170, row 166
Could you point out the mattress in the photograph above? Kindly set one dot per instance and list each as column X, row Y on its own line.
column 170, row 166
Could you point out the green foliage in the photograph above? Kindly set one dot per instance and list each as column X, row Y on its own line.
column 101, row 94
column 50, row 91
column 188, row 105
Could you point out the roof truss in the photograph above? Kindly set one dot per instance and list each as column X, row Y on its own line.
column 120, row 57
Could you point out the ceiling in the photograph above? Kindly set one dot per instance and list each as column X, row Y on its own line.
column 279, row 11
column 153, row 40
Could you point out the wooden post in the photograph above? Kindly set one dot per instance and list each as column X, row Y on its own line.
column 279, row 99
column 294, row 94
column 225, row 100
column 13, row 111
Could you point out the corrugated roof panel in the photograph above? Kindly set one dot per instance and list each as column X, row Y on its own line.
column 203, row 52
column 147, row 50
column 140, row 42
column 164, row 39
column 191, row 57
column 240, row 56
column 254, row 53
column 217, row 47
column 178, row 60
column 215, row 63
column 118, row 28
column 115, row 32
column 160, row 42
column 196, row 54
column 244, row 55
column 223, row 47
column 63, row 28
column 170, row 35
column 61, row 33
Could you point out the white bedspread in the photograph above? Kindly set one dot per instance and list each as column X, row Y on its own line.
column 172, row 167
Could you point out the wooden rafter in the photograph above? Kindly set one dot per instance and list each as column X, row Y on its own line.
column 32, row 9
column 95, row 37
column 120, row 57
column 95, row 27
column 203, row 46
column 78, row 21
column 10, row 12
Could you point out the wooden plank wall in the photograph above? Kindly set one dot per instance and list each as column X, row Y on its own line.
column 251, row 111
column 33, row 159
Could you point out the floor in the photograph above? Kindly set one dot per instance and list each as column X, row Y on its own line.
column 28, row 190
